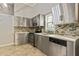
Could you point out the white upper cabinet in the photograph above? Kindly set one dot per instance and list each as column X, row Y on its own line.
column 38, row 20
column 41, row 20
column 63, row 13
column 30, row 23
column 23, row 22
column 27, row 22
column 19, row 21
column 16, row 21
column 35, row 21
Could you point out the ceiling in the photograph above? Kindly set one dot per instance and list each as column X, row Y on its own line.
column 30, row 10
column 8, row 9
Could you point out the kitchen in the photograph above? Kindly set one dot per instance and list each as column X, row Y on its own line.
column 39, row 29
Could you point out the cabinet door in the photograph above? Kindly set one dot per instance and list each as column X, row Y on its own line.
column 30, row 23
column 41, row 20
column 45, row 44
column 36, row 38
column 27, row 22
column 39, row 42
column 26, row 38
column 20, row 38
column 35, row 21
column 22, row 21
column 16, row 21
column 19, row 21
column 71, row 48
column 38, row 20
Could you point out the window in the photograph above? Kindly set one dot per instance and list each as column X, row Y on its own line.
column 49, row 22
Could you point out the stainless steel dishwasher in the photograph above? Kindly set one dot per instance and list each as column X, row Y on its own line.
column 57, row 47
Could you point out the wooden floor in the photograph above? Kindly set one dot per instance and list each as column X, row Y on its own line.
column 21, row 50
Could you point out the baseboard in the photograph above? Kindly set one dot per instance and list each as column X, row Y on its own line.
column 6, row 44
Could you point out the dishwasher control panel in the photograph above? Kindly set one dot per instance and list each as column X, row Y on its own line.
column 58, row 41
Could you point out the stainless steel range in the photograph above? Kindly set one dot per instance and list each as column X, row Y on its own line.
column 31, row 39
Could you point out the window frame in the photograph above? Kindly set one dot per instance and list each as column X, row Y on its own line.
column 46, row 22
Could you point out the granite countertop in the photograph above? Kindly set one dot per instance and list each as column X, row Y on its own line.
column 21, row 32
column 63, row 37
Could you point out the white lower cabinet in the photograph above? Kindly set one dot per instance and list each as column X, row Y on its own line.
column 71, row 48
column 21, row 38
column 39, row 42
column 49, row 48
column 44, row 44
column 54, row 46
column 36, row 38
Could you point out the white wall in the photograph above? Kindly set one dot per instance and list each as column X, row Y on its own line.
column 6, row 29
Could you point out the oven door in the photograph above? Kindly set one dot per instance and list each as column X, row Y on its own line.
column 31, row 39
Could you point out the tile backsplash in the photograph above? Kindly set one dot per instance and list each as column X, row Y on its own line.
column 26, row 29
column 23, row 29
column 71, row 29
column 65, row 29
